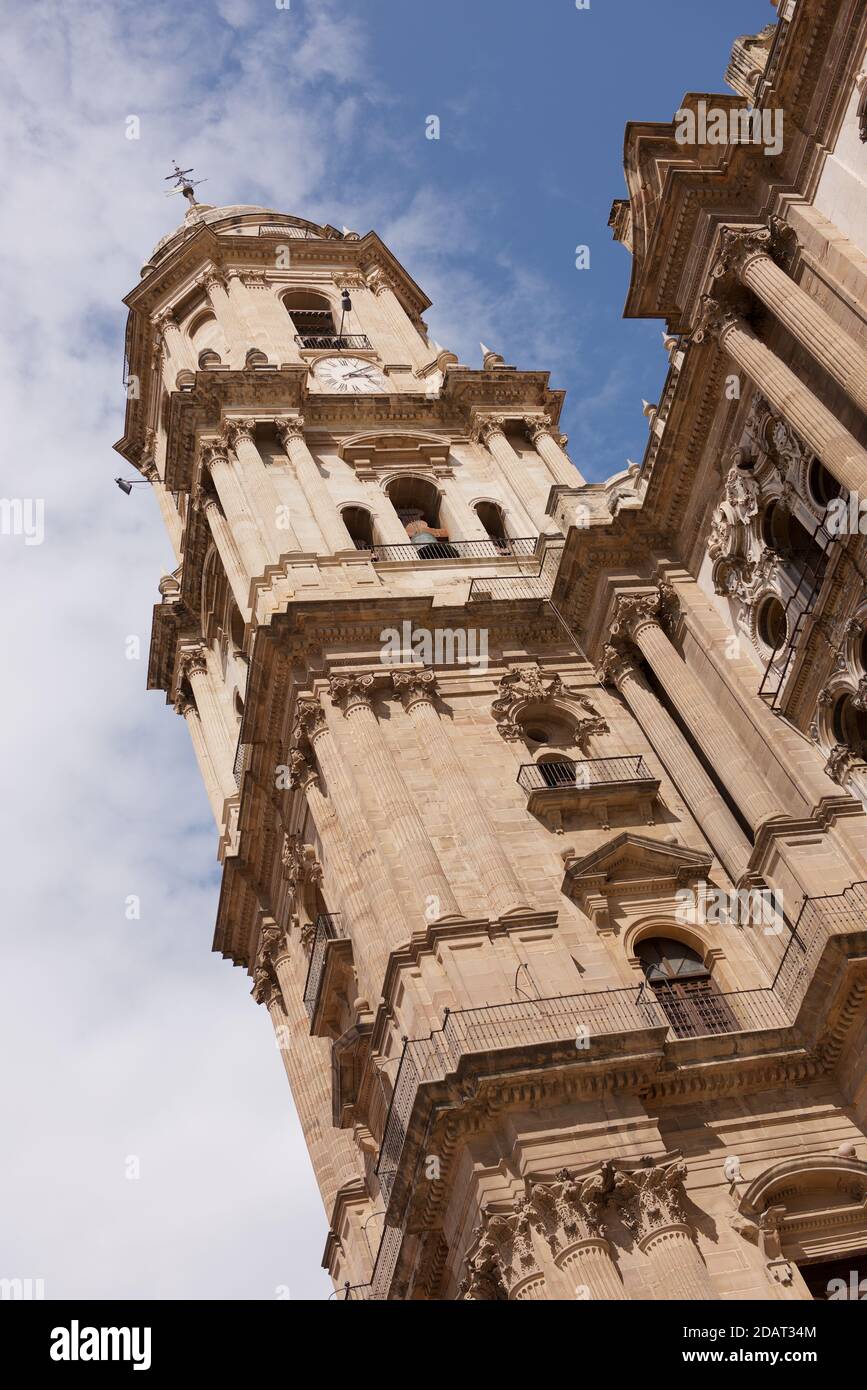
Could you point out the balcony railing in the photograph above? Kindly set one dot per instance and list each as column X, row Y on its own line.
column 336, row 342
column 526, row 1023
column 590, row 772
column 453, row 550
column 328, row 928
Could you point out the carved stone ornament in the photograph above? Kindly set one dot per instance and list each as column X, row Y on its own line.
column 632, row 611
column 523, row 690
column 652, row 1198
column 413, row 686
column 352, row 692
column 617, row 662
column 715, row 318
column 742, row 496
column 500, row 1257
column 300, row 864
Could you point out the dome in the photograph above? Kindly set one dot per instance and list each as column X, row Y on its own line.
column 237, row 219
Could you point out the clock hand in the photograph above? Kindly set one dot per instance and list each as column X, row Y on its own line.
column 366, row 372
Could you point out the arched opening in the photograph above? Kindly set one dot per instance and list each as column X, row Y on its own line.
column 823, row 486
column 850, row 725
column 312, row 318
column 417, row 503
column 771, row 624
column 236, row 630
column 492, row 518
column 682, row 983
column 783, row 532
column 359, row 523
column 862, row 651
column 206, row 336
column 557, row 771
column 239, row 705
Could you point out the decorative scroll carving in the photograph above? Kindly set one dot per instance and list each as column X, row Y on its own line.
column 350, row 692
column 649, row 1199
column 300, row 864
column 414, row 685
column 523, row 690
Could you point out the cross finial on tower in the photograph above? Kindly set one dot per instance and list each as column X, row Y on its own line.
column 183, row 183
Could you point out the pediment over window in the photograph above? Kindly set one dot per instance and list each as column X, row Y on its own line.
column 635, row 864
column 388, row 450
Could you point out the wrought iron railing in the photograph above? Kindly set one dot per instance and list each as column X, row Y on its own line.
column 338, row 342
column 454, row 550
column 600, row 1012
column 328, row 928
column 243, row 759
column 588, row 772
column 799, row 606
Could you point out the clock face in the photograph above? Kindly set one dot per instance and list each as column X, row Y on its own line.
column 347, row 376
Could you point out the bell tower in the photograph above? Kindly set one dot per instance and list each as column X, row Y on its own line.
column 438, row 824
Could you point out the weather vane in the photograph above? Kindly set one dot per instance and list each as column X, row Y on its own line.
column 183, row 183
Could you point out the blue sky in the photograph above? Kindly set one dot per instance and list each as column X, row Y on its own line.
column 129, row 1038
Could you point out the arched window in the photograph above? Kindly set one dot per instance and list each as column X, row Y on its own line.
column 359, row 523
column 207, row 340
column 491, row 517
column 771, row 624
column 850, row 725
column 784, row 533
column 417, row 503
column 682, row 983
column 823, row 486
column 312, row 318
column 557, row 772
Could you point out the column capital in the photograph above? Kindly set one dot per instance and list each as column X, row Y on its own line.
column 184, row 703
column 211, row 277
column 618, row 662
column 290, row 428
column 352, row 692
column 193, row 662
column 414, row 687
column 485, row 427
column 309, row 722
column 149, row 470
column 634, row 611
column 651, row 1199
column 240, row 429
column 213, row 449
column 265, row 990
column 379, row 281
column 738, row 246
column 539, row 425
column 163, row 319
column 716, row 318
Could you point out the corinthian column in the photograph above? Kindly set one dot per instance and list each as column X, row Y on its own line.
column 229, row 554
column 569, row 1211
column 194, row 666
column 653, row 1202
column 279, row 985
column 176, row 343
column 636, row 619
column 239, row 516
column 187, row 707
column 383, row 788
column 213, row 282
column 747, row 252
column 548, row 447
column 489, row 431
column 322, row 505
column 698, row 791
column 387, row 928
column 369, row 951
column 270, row 512
column 417, row 691
column 165, row 502
column 839, row 450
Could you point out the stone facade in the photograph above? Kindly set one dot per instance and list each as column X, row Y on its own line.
column 540, row 803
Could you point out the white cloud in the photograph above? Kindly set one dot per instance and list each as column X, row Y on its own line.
column 127, row 1038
